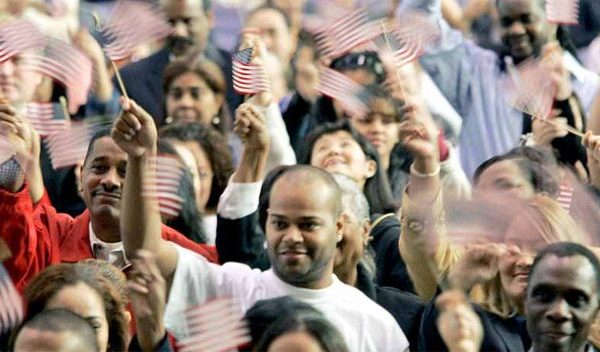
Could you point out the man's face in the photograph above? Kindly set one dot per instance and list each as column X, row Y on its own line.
column 302, row 232
column 522, row 27
column 354, row 241
column 102, row 179
column 191, row 26
column 274, row 32
column 562, row 302
column 9, row 78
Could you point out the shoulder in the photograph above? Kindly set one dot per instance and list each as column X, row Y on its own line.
column 161, row 57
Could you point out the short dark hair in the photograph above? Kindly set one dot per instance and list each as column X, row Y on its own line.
column 62, row 320
column 266, row 312
column 377, row 188
column 366, row 60
column 216, row 148
column 567, row 250
column 104, row 131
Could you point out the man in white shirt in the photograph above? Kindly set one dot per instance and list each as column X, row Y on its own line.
column 303, row 227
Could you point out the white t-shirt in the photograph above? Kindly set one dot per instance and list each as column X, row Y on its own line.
column 364, row 325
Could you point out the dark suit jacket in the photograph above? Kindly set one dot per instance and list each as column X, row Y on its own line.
column 144, row 79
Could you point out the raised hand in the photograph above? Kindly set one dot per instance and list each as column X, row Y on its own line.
column 592, row 146
column 21, row 134
column 250, row 39
column 478, row 264
column 552, row 60
column 544, row 133
column 251, row 127
column 457, row 322
column 147, row 292
column 419, row 135
column 134, row 131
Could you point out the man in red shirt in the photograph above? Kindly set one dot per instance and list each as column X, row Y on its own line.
column 39, row 236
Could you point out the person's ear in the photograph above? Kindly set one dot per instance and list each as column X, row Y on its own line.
column 371, row 168
column 340, row 226
column 78, row 171
column 366, row 228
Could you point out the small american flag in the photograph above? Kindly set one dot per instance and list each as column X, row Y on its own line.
column 562, row 11
column 11, row 305
column 414, row 32
column 349, row 30
column 164, row 185
column 47, row 118
column 68, row 147
column 65, row 64
column 349, row 93
column 215, row 326
column 17, row 37
column 565, row 196
column 133, row 23
column 530, row 90
column 247, row 77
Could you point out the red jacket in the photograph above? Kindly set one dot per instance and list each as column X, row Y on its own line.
column 39, row 236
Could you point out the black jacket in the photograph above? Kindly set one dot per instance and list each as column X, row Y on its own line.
column 499, row 334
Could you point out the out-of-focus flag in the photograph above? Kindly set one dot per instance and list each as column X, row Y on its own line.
column 68, row 147
column 562, row 11
column 349, row 93
column 65, row 64
column 335, row 37
column 248, row 78
column 565, row 196
column 164, row 185
column 530, row 90
column 47, row 118
column 215, row 326
column 408, row 38
column 17, row 37
column 133, row 23
column 11, row 305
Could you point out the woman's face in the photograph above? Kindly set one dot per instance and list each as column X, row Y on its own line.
column 190, row 99
column 197, row 161
column 505, row 176
column 83, row 300
column 339, row 152
column 524, row 241
column 380, row 127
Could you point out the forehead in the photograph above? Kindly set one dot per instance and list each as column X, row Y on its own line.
column 298, row 198
column 514, row 7
column 333, row 137
column 182, row 8
column 106, row 148
column 381, row 106
column 187, row 79
column 565, row 273
column 501, row 169
column 79, row 298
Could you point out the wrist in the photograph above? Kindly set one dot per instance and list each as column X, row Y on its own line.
column 426, row 165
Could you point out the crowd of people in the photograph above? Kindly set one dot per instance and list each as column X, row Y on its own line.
column 441, row 216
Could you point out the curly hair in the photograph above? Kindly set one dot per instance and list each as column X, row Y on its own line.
column 214, row 145
column 56, row 277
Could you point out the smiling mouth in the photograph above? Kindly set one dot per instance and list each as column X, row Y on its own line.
column 332, row 162
column 108, row 195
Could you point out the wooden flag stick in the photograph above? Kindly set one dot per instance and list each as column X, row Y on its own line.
column 389, row 47
column 569, row 128
column 114, row 66
column 63, row 104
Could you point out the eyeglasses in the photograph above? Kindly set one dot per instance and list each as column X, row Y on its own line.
column 178, row 92
column 367, row 59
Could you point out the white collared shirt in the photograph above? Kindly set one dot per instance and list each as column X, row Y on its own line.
column 114, row 253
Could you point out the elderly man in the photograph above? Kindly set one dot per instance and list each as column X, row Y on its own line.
column 303, row 227
column 192, row 21
column 36, row 233
column 562, row 298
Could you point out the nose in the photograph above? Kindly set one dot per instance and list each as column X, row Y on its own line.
column 186, row 100
column 292, row 235
column 7, row 68
column 516, row 28
column 525, row 261
column 180, row 29
column 376, row 126
column 559, row 311
column 111, row 180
